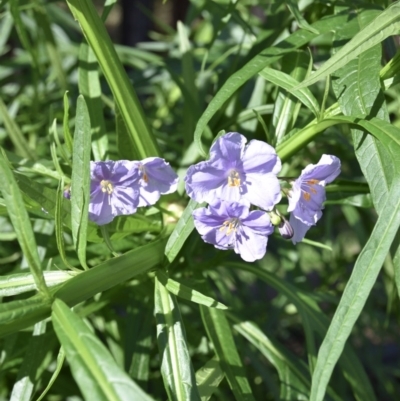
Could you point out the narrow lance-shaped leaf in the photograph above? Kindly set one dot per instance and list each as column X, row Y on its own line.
column 181, row 231
column 89, row 87
column 20, row 220
column 35, row 352
column 80, row 180
column 288, row 82
column 349, row 362
column 60, row 362
column 176, row 366
column 94, row 369
column 386, row 24
column 185, row 292
column 258, row 63
column 97, row 37
column 208, row 378
column 358, row 89
column 220, row 334
column 358, row 288
column 15, row 134
column 293, row 376
column 18, row 315
column 14, row 284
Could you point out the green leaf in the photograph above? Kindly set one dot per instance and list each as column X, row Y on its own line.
column 15, row 134
column 293, row 375
column 181, row 232
column 58, row 224
column 176, row 366
column 220, row 334
column 97, row 37
column 258, row 63
column 293, row 7
column 80, row 180
column 60, row 362
column 358, row 88
column 17, row 315
column 181, row 290
column 295, row 67
column 208, row 378
column 112, row 272
column 89, row 87
column 14, row 284
column 190, row 106
column 349, row 362
column 384, row 25
column 359, row 286
column 22, row 226
column 27, row 377
column 287, row 82
column 51, row 46
column 67, row 132
column 139, row 339
column 99, row 381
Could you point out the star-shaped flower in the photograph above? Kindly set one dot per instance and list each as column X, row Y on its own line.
column 236, row 172
column 156, row 178
column 112, row 190
column 230, row 225
column 308, row 194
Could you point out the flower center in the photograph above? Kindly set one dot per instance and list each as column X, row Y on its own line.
column 309, row 184
column 233, row 179
column 107, row 186
column 145, row 177
column 230, row 225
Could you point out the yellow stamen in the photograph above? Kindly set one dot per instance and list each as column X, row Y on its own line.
column 306, row 196
column 107, row 186
column 233, row 179
column 230, row 226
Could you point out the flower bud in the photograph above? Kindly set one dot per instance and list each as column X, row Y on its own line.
column 275, row 218
column 285, row 229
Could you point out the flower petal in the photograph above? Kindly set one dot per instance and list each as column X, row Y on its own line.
column 250, row 245
column 259, row 157
column 259, row 222
column 202, row 181
column 100, row 210
column 228, row 147
column 157, row 178
column 299, row 229
column 263, row 190
column 325, row 171
column 124, row 200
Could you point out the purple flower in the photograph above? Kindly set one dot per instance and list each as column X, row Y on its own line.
column 112, row 190
column 230, row 225
column 236, row 172
column 156, row 178
column 308, row 194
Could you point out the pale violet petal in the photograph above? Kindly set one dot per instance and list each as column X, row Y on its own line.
column 263, row 190
column 202, row 181
column 250, row 245
column 325, row 171
column 259, row 222
column 228, row 147
column 259, row 157
column 299, row 229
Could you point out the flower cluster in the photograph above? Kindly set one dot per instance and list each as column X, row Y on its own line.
column 237, row 176
column 120, row 187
